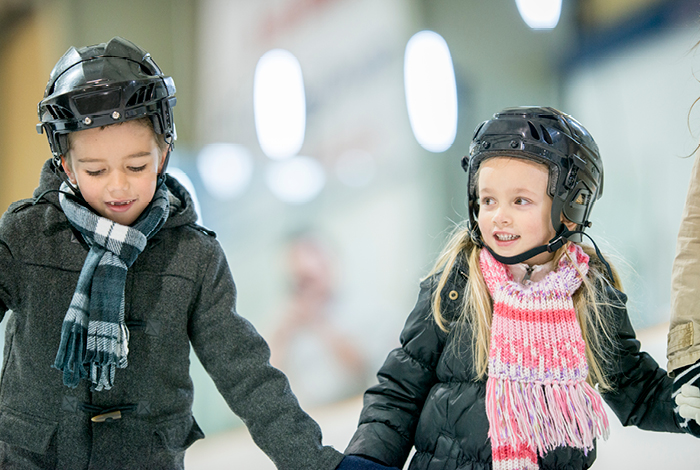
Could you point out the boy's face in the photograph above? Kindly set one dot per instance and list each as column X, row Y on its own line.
column 115, row 168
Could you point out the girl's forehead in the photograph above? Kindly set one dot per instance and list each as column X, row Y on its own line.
column 513, row 173
column 509, row 163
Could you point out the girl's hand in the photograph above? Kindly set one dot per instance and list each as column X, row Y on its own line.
column 688, row 401
column 354, row 462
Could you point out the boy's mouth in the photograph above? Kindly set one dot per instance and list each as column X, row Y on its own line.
column 120, row 205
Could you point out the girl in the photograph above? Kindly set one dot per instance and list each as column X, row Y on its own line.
column 519, row 331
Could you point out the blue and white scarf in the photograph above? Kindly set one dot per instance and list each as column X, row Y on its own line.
column 94, row 333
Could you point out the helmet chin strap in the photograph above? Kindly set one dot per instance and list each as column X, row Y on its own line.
column 553, row 245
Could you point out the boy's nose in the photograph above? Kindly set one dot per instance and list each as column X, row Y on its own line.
column 118, row 181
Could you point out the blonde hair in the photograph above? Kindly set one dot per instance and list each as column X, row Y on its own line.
column 592, row 309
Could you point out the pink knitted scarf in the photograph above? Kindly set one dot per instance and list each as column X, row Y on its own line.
column 537, row 397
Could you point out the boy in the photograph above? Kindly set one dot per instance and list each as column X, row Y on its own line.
column 109, row 280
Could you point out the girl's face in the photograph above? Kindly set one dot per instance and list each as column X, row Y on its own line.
column 115, row 168
column 514, row 207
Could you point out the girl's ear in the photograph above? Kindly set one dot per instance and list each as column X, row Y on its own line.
column 569, row 224
column 69, row 172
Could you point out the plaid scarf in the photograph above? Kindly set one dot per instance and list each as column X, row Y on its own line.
column 537, row 397
column 93, row 331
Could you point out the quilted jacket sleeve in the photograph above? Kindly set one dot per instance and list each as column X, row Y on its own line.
column 642, row 390
column 237, row 359
column 392, row 407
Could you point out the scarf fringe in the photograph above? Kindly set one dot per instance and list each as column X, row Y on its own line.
column 544, row 416
column 70, row 353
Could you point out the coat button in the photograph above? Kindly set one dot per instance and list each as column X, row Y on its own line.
column 453, row 295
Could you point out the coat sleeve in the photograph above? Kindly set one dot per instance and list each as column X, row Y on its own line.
column 6, row 278
column 237, row 359
column 684, row 328
column 10, row 267
column 392, row 407
column 642, row 391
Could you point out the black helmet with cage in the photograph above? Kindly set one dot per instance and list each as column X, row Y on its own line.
column 105, row 84
column 551, row 137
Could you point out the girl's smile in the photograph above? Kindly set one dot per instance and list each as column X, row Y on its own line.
column 504, row 239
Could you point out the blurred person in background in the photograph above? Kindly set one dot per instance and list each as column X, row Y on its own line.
column 314, row 344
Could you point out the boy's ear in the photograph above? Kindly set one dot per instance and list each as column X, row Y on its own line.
column 69, row 172
column 163, row 155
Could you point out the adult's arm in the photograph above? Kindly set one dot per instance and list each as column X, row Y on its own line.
column 684, row 329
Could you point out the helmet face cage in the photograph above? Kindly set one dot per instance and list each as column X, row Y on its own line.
column 101, row 85
column 550, row 137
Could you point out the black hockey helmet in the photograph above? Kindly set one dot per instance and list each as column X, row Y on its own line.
column 548, row 136
column 104, row 84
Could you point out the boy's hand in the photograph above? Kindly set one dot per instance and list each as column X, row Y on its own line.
column 353, row 462
column 686, row 393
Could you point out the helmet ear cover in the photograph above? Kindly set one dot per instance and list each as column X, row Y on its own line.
column 550, row 137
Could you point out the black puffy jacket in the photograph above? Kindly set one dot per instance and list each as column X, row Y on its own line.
column 428, row 397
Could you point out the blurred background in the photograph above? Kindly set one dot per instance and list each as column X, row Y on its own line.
column 323, row 140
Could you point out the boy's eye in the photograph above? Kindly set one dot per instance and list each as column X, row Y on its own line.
column 521, row 201
column 485, row 201
column 94, row 173
column 137, row 168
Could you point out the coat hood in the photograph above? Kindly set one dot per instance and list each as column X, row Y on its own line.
column 181, row 205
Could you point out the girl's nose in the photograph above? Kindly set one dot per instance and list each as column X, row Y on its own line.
column 501, row 217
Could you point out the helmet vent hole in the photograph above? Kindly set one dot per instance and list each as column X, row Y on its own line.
column 545, row 135
column 582, row 198
column 533, row 131
column 142, row 95
column 59, row 112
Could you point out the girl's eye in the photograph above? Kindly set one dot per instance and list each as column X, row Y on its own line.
column 136, row 169
column 485, row 201
column 94, row 173
column 521, row 201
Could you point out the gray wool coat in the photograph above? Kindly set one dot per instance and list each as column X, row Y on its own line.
column 178, row 292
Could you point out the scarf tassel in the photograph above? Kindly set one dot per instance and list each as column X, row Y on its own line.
column 544, row 416
column 70, row 354
column 107, row 350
